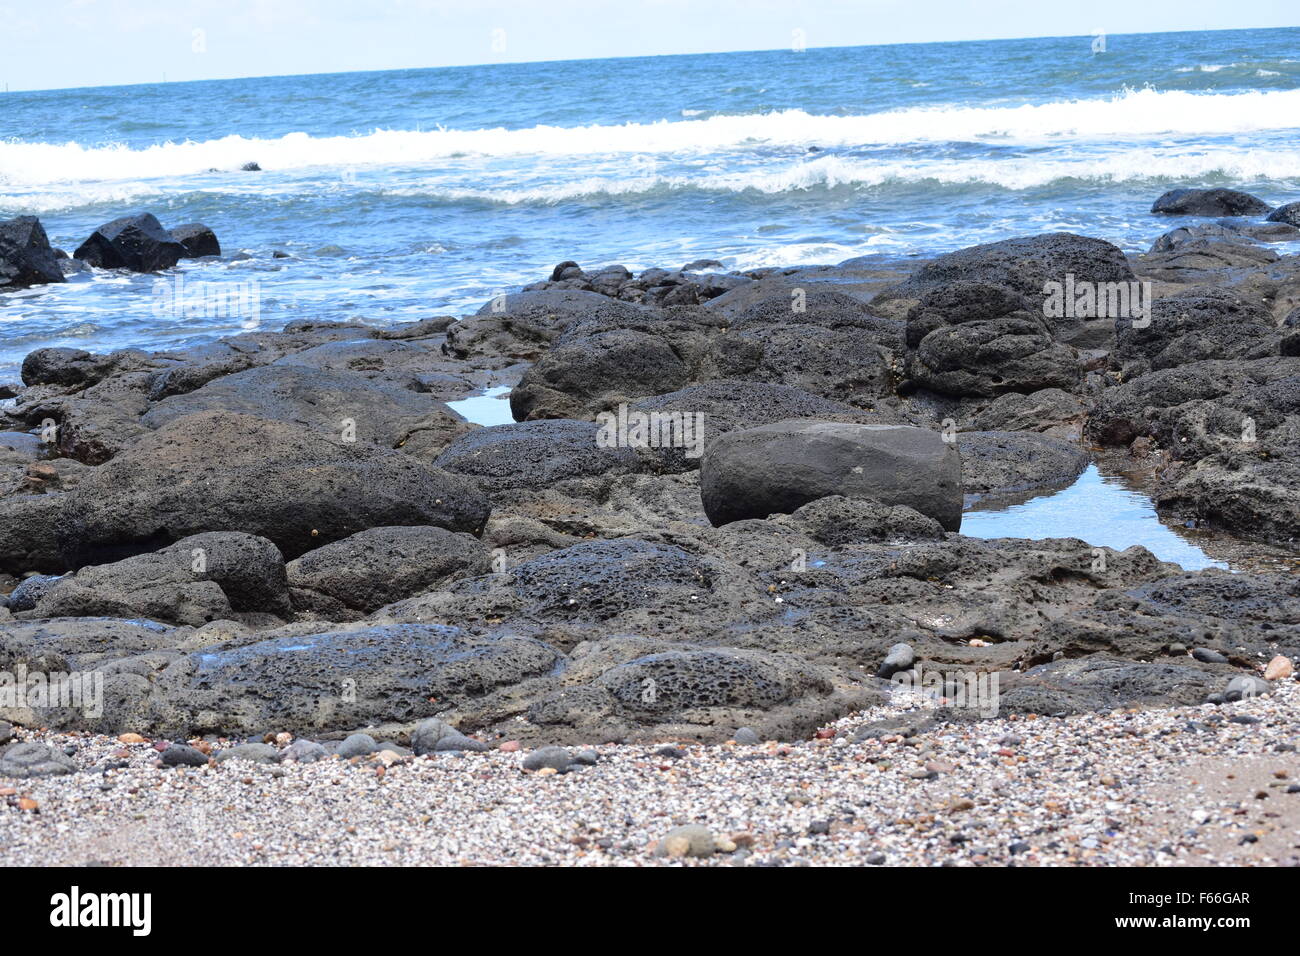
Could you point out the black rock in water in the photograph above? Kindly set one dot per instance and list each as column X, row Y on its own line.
column 197, row 239
column 26, row 258
column 1209, row 202
column 138, row 243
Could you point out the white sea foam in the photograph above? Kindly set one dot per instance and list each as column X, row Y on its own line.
column 27, row 167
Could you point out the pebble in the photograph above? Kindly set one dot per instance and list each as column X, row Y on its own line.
column 1279, row 668
column 747, row 737
column 357, row 745
column 555, row 759
column 900, row 658
column 1207, row 655
column 691, row 840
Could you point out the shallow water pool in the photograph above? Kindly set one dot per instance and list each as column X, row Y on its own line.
column 1097, row 508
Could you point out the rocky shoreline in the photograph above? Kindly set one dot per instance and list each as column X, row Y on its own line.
column 292, row 532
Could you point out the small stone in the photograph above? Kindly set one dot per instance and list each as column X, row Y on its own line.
column 32, row 759
column 131, row 738
column 27, row 803
column 586, row 758
column 183, row 755
column 1207, row 655
column 555, row 759
column 253, row 753
column 357, row 745
column 510, row 746
column 1018, row 848
column 900, row 658
column 1246, row 686
column 303, row 750
column 690, row 840
column 1279, row 668
column 746, row 737
column 876, row 859
column 547, row 772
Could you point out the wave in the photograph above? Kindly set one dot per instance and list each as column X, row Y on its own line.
column 1132, row 113
column 1137, row 165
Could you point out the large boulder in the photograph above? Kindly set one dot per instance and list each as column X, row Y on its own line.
column 305, row 680
column 1209, row 202
column 1014, row 353
column 26, row 258
column 201, row 578
column 219, row 471
column 343, row 403
column 600, row 371
column 755, row 472
column 1290, row 214
column 138, row 243
column 382, row 565
column 535, row 454
column 1024, row 264
column 1192, row 326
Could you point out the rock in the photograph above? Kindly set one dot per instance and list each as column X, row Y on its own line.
column 202, row 578
column 250, row 168
column 26, row 258
column 1290, row 214
column 554, row 758
column 692, row 840
column 357, row 745
column 986, row 358
column 1207, row 655
column 1279, row 668
column 312, row 678
column 348, row 406
column 534, row 455
column 138, row 243
column 198, row 240
column 183, row 755
column 597, row 371
column 1246, row 686
column 746, row 737
column 217, row 471
column 1209, row 202
column 32, row 759
column 253, row 753
column 901, row 657
column 30, row 591
column 752, row 473
column 304, row 751
column 372, row 568
column 1190, row 326
column 1006, row 462
column 1024, row 265
column 429, row 734
column 63, row 366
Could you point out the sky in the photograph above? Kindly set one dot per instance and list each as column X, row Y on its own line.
column 54, row 44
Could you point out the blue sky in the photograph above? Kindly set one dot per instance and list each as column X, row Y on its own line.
column 53, row 44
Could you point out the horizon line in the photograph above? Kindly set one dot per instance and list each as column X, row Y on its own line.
column 643, row 56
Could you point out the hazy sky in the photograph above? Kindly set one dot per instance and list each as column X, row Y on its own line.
column 49, row 44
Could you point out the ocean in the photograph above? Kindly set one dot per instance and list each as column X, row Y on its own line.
column 409, row 193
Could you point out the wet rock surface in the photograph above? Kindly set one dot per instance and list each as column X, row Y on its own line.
column 291, row 531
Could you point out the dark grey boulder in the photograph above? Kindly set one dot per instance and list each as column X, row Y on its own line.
column 198, row 240
column 752, row 473
column 32, row 759
column 350, row 406
column 598, row 371
column 1191, row 326
column 138, row 243
column 378, row 566
column 26, row 258
column 201, row 578
column 217, row 471
column 305, row 680
column 30, row 591
column 1290, row 214
column 535, row 455
column 1007, row 462
column 1209, row 202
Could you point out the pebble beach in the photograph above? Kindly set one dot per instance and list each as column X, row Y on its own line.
column 1191, row 786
